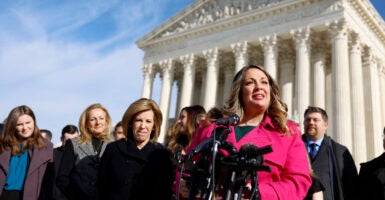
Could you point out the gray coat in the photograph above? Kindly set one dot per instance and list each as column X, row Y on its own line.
column 36, row 172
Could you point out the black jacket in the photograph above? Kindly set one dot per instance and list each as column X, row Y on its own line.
column 335, row 167
column 57, row 155
column 127, row 172
column 372, row 179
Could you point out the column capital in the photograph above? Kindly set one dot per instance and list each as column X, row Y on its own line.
column 338, row 28
column 148, row 69
column 301, row 36
column 211, row 54
column 187, row 59
column 354, row 42
column 382, row 68
column 166, row 65
column 381, row 65
column 368, row 57
column 268, row 42
column 239, row 48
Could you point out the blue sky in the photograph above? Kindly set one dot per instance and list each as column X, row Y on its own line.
column 58, row 57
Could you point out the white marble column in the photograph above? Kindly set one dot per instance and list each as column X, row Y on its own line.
column 212, row 58
column 188, row 79
column 373, row 105
column 357, row 97
column 241, row 55
column 329, row 100
column 341, row 83
column 319, row 77
column 167, row 81
column 286, row 78
column 270, row 51
column 178, row 95
column 148, row 80
column 382, row 92
column 302, row 72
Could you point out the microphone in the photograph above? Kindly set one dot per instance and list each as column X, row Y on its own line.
column 250, row 153
column 232, row 120
column 252, row 156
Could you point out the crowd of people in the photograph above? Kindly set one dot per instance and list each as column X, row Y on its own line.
column 273, row 159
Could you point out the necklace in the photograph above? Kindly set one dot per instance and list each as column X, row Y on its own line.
column 97, row 145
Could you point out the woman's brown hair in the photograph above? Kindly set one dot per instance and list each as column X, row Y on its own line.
column 179, row 140
column 277, row 109
column 9, row 139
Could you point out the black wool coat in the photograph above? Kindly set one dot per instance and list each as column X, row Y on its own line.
column 129, row 173
column 372, row 179
column 335, row 168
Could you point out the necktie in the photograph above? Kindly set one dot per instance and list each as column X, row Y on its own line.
column 313, row 150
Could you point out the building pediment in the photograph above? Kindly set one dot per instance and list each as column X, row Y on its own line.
column 202, row 13
column 207, row 16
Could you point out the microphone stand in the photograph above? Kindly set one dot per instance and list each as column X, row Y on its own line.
column 217, row 143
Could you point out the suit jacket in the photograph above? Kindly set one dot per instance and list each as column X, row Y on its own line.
column 335, row 167
column 290, row 175
column 372, row 179
column 39, row 178
column 127, row 172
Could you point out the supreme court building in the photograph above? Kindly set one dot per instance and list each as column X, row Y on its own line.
column 326, row 53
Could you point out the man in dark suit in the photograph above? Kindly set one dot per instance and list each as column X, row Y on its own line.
column 372, row 177
column 331, row 161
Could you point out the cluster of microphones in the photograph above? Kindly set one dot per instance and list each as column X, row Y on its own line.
column 204, row 170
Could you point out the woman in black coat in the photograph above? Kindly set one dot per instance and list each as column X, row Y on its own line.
column 138, row 167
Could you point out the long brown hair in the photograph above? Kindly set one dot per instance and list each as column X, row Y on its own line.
column 277, row 109
column 195, row 114
column 9, row 139
column 86, row 135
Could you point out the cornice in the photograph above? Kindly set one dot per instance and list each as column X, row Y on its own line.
column 371, row 17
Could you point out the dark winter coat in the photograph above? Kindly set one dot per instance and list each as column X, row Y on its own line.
column 335, row 167
column 127, row 172
column 372, row 179
column 57, row 155
column 79, row 169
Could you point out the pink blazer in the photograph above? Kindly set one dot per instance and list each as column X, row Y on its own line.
column 290, row 174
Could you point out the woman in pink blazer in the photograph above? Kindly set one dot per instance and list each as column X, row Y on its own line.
column 255, row 99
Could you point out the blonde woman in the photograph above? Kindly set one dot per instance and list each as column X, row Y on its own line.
column 79, row 165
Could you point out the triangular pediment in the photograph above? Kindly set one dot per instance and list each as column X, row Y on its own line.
column 203, row 13
column 205, row 16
